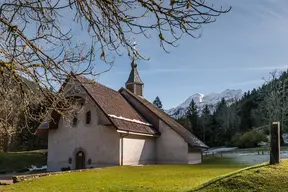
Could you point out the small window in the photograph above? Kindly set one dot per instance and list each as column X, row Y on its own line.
column 74, row 123
column 88, row 117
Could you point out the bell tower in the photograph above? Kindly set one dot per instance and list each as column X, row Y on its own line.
column 134, row 82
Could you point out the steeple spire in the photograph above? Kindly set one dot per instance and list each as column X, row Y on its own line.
column 134, row 82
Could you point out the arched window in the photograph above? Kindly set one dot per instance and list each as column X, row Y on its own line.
column 88, row 117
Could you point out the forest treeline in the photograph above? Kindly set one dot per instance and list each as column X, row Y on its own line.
column 246, row 122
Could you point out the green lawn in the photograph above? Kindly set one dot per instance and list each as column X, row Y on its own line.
column 268, row 178
column 128, row 178
column 14, row 161
column 215, row 174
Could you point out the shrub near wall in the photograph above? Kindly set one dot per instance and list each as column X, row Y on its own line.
column 19, row 161
column 249, row 139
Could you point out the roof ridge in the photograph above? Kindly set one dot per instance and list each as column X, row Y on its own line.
column 92, row 81
column 148, row 101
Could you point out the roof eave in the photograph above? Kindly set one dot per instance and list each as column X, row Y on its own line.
column 195, row 146
column 138, row 83
column 200, row 147
column 138, row 133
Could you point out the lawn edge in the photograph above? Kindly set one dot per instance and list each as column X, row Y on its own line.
column 21, row 178
column 208, row 183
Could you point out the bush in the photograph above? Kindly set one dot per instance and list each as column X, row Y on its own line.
column 2, row 171
column 248, row 139
column 65, row 168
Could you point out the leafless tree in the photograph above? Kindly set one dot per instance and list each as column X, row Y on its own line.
column 38, row 42
column 275, row 104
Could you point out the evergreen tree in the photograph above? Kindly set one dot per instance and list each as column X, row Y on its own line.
column 25, row 139
column 193, row 117
column 221, row 105
column 205, row 122
column 222, row 121
column 185, row 123
column 157, row 102
column 214, row 139
column 229, row 122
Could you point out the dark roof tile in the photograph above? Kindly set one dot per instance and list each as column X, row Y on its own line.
column 113, row 103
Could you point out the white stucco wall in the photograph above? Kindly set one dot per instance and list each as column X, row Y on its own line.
column 195, row 157
column 138, row 150
column 171, row 148
column 99, row 143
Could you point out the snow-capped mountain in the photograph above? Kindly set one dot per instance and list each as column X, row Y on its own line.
column 201, row 100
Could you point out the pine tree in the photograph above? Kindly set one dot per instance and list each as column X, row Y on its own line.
column 214, row 139
column 222, row 122
column 205, row 122
column 193, row 117
column 157, row 102
column 185, row 123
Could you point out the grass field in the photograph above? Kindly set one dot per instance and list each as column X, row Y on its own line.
column 129, row 178
column 14, row 161
column 215, row 171
column 268, row 178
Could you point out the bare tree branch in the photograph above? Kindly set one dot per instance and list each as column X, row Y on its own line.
column 36, row 44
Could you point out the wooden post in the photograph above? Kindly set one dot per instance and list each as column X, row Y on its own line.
column 275, row 143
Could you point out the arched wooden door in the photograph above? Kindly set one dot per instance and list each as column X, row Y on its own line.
column 80, row 160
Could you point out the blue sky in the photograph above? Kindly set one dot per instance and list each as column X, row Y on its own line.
column 236, row 52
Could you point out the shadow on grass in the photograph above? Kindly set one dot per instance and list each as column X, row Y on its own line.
column 219, row 178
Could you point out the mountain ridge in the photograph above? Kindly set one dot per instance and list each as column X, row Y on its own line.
column 211, row 99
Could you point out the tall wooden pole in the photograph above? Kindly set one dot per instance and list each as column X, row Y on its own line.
column 275, row 143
